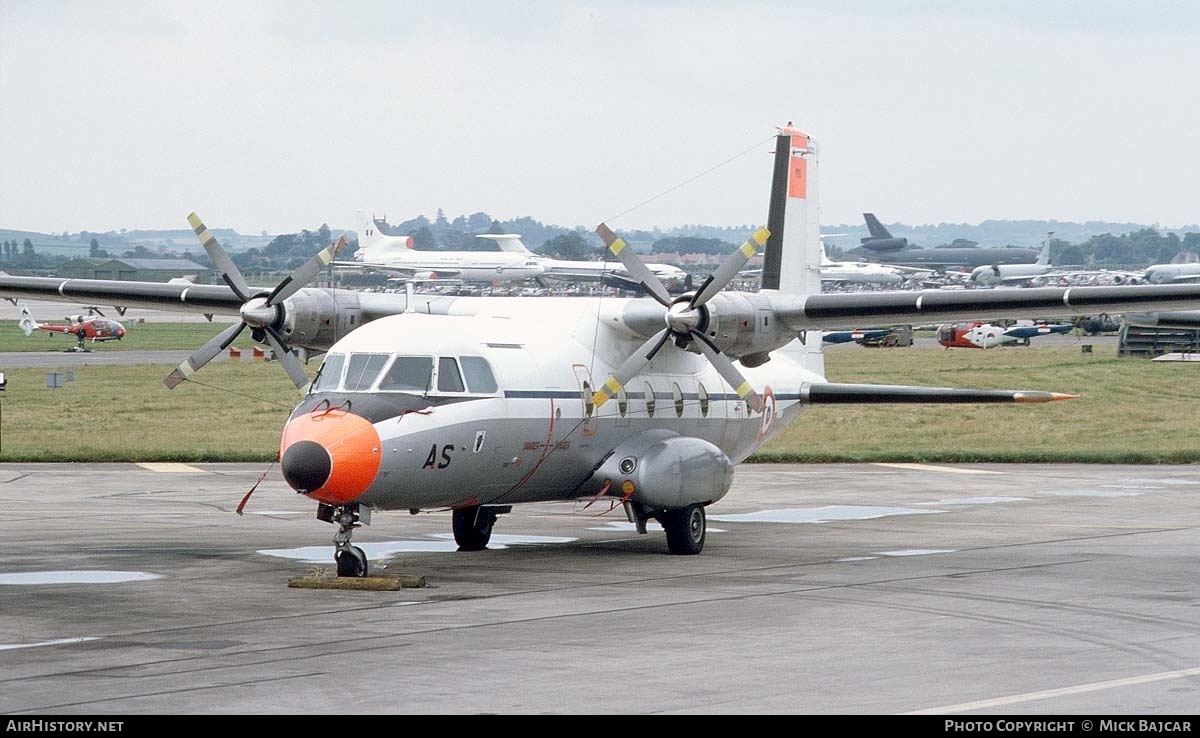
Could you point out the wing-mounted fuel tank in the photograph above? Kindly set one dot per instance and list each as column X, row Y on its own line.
column 662, row 470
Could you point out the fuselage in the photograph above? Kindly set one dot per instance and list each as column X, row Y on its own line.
column 481, row 266
column 90, row 330
column 488, row 411
column 1168, row 273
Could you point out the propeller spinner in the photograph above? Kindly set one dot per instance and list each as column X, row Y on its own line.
column 260, row 310
column 686, row 318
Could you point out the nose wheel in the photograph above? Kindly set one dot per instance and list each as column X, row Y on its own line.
column 351, row 560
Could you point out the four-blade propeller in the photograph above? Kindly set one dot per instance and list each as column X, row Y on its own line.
column 686, row 318
column 260, row 311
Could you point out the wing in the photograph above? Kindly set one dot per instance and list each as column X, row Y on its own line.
column 805, row 312
column 196, row 298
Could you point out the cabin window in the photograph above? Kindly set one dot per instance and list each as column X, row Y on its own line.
column 622, row 402
column 677, row 396
column 408, row 374
column 330, row 374
column 649, row 400
column 703, row 400
column 449, row 379
column 479, row 374
column 588, row 405
column 362, row 370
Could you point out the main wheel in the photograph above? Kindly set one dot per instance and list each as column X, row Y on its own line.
column 351, row 562
column 473, row 528
column 685, row 529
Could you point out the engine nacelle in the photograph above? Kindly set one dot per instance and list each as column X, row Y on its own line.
column 316, row 318
column 666, row 471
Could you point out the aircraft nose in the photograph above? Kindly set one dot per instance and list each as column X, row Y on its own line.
column 332, row 456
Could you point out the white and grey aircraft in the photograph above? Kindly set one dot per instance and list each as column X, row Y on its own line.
column 396, row 254
column 479, row 404
column 997, row 274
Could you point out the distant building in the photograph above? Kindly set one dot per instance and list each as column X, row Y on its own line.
column 139, row 270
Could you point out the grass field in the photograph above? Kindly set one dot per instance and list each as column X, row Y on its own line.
column 150, row 336
column 1130, row 411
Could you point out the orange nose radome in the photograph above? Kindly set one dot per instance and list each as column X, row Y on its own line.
column 331, row 456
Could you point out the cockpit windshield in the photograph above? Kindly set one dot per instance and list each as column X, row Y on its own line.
column 362, row 371
column 408, row 374
column 330, row 375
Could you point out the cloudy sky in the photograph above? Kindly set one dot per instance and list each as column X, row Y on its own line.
column 279, row 115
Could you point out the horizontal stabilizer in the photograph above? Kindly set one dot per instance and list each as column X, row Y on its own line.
column 831, row 393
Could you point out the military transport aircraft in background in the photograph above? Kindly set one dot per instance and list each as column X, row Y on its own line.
column 478, row 404
column 83, row 328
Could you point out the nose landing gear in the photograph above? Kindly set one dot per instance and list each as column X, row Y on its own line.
column 351, row 560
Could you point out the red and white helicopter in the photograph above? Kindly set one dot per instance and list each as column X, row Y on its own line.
column 980, row 335
column 83, row 328
column 478, row 404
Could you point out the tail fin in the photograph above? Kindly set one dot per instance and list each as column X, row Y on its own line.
column 368, row 232
column 825, row 260
column 509, row 242
column 27, row 323
column 876, row 228
column 793, row 256
column 1044, row 257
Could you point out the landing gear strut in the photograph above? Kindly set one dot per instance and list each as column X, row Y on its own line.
column 473, row 526
column 351, row 560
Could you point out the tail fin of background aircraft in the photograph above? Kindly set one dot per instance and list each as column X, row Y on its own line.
column 368, row 232
column 27, row 323
column 876, row 228
column 509, row 242
column 1044, row 257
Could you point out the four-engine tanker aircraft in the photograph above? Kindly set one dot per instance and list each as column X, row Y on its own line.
column 478, row 404
column 83, row 328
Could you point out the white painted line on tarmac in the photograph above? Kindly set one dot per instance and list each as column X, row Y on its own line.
column 169, row 468
column 58, row 642
column 928, row 467
column 1015, row 699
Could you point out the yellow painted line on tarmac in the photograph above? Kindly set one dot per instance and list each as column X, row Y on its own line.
column 170, row 468
column 1064, row 692
column 948, row 469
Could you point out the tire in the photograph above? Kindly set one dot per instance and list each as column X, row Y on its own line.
column 473, row 528
column 352, row 563
column 685, row 529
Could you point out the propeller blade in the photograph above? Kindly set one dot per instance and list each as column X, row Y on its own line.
column 631, row 367
column 290, row 363
column 307, row 271
column 639, row 271
column 203, row 355
column 729, row 372
column 229, row 271
column 727, row 271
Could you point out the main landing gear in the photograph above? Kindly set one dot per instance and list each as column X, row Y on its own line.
column 685, row 526
column 351, row 560
column 473, row 525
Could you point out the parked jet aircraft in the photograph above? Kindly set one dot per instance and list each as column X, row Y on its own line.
column 995, row 274
column 887, row 249
column 513, row 263
column 977, row 334
column 396, row 254
column 478, row 404
column 1172, row 273
column 83, row 328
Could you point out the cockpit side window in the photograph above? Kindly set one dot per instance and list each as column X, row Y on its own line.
column 330, row 374
column 479, row 374
column 448, row 376
column 362, row 371
column 408, row 374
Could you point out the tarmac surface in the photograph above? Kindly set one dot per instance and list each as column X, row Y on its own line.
column 822, row 589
